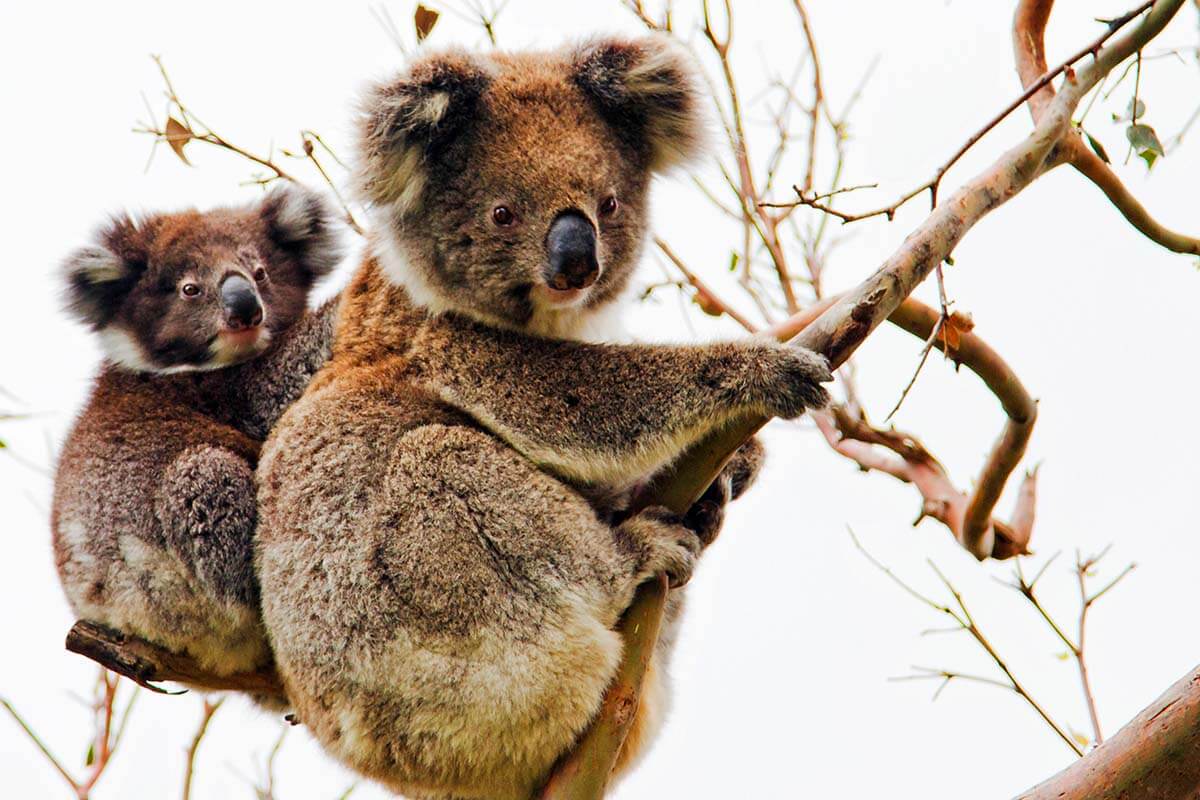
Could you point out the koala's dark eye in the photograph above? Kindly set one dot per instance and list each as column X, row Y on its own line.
column 189, row 290
column 503, row 216
column 609, row 206
column 260, row 274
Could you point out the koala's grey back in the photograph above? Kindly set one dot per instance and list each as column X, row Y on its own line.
column 154, row 502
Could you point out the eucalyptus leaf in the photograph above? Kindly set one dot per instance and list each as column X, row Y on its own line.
column 1145, row 143
column 1098, row 148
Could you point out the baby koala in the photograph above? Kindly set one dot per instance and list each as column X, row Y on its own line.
column 202, row 318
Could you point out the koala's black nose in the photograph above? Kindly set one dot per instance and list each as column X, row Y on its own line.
column 240, row 302
column 571, row 247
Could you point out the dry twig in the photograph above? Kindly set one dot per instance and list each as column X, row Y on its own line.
column 963, row 621
column 206, row 714
column 106, row 739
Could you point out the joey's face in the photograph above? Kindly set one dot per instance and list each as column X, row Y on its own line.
column 199, row 291
column 522, row 198
column 206, row 300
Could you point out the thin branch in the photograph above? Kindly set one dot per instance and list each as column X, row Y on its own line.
column 706, row 297
column 962, row 617
column 1029, row 30
column 206, row 715
column 37, row 740
column 934, row 183
column 192, row 129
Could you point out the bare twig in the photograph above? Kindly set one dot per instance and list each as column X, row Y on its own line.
column 708, row 300
column 208, row 709
column 933, row 184
column 188, row 128
column 104, row 742
column 963, row 619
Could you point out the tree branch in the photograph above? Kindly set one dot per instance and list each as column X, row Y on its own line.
column 146, row 663
column 1029, row 49
column 1040, row 81
column 844, row 326
column 1156, row 756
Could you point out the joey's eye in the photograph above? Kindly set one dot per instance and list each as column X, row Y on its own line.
column 609, row 206
column 189, row 290
column 503, row 216
column 260, row 275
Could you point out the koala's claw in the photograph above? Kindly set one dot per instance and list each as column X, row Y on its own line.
column 665, row 544
column 791, row 380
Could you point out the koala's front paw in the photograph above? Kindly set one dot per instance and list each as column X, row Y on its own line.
column 785, row 380
column 662, row 543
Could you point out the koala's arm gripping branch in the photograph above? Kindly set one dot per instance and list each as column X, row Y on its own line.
column 146, row 664
column 839, row 331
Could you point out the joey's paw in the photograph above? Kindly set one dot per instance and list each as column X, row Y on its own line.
column 742, row 470
column 787, row 379
column 707, row 515
column 664, row 544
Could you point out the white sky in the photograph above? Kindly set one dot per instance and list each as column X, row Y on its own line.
column 781, row 678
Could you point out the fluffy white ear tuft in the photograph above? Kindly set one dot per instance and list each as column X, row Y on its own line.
column 405, row 121
column 97, row 277
column 650, row 91
column 304, row 222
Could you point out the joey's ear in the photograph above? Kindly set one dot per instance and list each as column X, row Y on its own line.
column 406, row 120
column 303, row 222
column 649, row 90
column 98, row 277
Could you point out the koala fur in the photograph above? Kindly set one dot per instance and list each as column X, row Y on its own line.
column 154, row 499
column 439, row 581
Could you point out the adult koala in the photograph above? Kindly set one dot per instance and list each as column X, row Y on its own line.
column 438, row 583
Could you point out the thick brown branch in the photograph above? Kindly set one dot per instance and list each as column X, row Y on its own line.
column 979, row 533
column 1156, row 756
column 845, row 325
column 1029, row 31
column 145, row 663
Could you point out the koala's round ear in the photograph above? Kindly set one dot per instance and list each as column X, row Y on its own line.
column 304, row 223
column 97, row 277
column 648, row 88
column 406, row 120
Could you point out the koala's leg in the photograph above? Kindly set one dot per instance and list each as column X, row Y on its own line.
column 609, row 414
column 442, row 611
column 206, row 504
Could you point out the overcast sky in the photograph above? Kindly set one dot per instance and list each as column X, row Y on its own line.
column 782, row 676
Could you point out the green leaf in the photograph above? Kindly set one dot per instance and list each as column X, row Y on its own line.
column 1097, row 148
column 90, row 758
column 1135, row 110
column 733, row 261
column 1063, row 656
column 1145, row 143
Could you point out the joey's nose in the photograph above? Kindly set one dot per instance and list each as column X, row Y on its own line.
column 240, row 303
column 571, row 251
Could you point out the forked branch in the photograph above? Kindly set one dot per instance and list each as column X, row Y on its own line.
column 845, row 325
